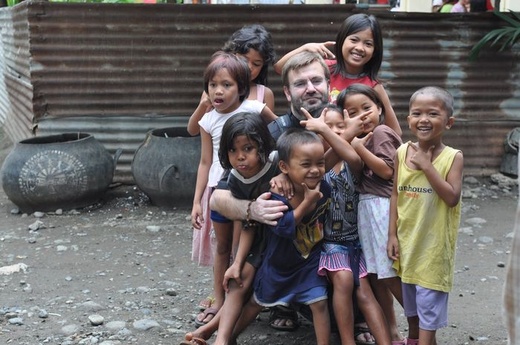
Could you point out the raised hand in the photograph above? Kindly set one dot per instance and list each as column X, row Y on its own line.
column 354, row 125
column 316, row 125
column 420, row 158
column 321, row 49
column 357, row 141
column 312, row 195
column 205, row 101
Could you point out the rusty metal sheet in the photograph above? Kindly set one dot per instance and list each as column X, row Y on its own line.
column 137, row 60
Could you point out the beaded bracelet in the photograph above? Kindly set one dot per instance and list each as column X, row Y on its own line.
column 249, row 223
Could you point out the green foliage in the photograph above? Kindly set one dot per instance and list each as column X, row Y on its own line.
column 507, row 36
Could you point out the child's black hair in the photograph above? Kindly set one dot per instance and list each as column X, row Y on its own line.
column 236, row 67
column 253, row 37
column 294, row 137
column 334, row 107
column 438, row 93
column 351, row 25
column 254, row 128
column 362, row 89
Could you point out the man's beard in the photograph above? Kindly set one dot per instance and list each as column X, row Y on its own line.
column 314, row 108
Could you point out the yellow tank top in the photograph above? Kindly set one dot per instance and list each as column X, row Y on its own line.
column 426, row 226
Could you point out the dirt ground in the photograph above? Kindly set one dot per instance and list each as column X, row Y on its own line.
column 119, row 272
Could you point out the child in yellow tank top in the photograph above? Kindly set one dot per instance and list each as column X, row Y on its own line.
column 425, row 212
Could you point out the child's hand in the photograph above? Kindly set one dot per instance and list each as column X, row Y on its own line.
column 205, row 101
column 281, row 184
column 354, row 125
column 420, row 158
column 357, row 142
column 321, row 49
column 267, row 211
column 313, row 195
column 197, row 219
column 233, row 272
column 316, row 125
column 392, row 248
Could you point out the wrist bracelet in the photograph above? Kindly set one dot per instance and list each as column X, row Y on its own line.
column 249, row 223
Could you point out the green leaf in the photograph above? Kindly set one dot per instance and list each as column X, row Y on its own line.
column 507, row 35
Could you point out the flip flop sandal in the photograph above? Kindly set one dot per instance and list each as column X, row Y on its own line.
column 283, row 313
column 359, row 330
column 399, row 342
column 206, row 303
column 209, row 311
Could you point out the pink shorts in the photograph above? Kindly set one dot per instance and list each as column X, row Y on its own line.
column 430, row 305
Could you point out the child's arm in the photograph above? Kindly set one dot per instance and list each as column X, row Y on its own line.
column 308, row 204
column 206, row 156
column 244, row 246
column 390, row 117
column 354, row 127
column 286, row 225
column 269, row 98
column 263, row 209
column 392, row 247
column 203, row 107
column 318, row 48
column 267, row 115
column 449, row 190
column 341, row 147
column 373, row 162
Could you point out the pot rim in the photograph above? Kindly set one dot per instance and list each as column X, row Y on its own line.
column 175, row 132
column 62, row 138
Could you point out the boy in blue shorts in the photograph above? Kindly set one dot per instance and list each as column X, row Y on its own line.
column 288, row 274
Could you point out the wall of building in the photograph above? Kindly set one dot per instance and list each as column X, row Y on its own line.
column 119, row 70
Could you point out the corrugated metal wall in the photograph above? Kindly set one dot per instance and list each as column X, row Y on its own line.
column 16, row 73
column 117, row 70
column 4, row 103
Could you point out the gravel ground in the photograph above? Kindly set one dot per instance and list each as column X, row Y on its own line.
column 119, row 272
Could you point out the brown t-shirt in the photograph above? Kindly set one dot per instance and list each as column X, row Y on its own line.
column 383, row 143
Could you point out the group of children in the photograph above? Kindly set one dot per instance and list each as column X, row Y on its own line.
column 368, row 217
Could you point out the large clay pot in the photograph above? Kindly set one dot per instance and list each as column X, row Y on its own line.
column 63, row 171
column 509, row 164
column 165, row 166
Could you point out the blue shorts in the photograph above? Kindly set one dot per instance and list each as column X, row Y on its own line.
column 295, row 300
column 430, row 305
column 218, row 218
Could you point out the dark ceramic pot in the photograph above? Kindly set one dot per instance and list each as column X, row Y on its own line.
column 64, row 171
column 165, row 166
column 509, row 164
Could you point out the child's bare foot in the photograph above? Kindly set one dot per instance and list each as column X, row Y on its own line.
column 194, row 339
column 362, row 335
